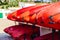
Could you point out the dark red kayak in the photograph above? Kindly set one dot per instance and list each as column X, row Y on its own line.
column 18, row 31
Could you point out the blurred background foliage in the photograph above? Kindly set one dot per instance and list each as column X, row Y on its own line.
column 14, row 3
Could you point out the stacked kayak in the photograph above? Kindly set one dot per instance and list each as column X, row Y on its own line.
column 18, row 32
column 26, row 14
column 51, row 16
column 43, row 15
column 24, row 31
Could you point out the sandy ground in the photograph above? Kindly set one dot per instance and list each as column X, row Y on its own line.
column 5, row 23
column 4, row 36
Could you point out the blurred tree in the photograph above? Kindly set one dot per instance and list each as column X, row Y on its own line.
column 54, row 0
column 17, row 0
column 23, row 0
column 30, row 0
column 0, row 2
column 13, row 3
column 42, row 1
column 5, row 2
column 58, row 0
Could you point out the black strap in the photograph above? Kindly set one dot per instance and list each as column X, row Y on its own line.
column 51, row 18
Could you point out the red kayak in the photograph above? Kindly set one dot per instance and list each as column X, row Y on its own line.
column 12, row 15
column 27, row 15
column 51, row 15
column 31, row 14
column 48, row 16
